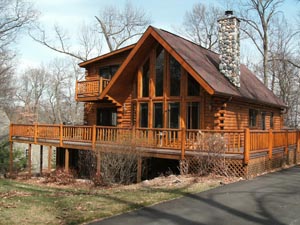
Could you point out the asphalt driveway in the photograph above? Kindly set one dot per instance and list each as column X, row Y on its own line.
column 269, row 199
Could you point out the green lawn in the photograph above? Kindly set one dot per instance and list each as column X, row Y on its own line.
column 22, row 203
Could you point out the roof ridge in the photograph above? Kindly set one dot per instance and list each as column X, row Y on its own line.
column 184, row 38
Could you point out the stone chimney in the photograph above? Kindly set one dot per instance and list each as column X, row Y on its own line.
column 229, row 45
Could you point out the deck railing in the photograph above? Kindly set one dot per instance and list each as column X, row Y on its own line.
column 90, row 88
column 239, row 142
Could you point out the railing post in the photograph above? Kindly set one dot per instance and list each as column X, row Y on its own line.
column 183, row 143
column 61, row 135
column 35, row 132
column 100, row 85
column 94, row 137
column 246, row 146
column 270, row 143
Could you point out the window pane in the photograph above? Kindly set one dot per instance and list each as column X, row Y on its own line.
column 193, row 86
column 144, row 115
column 175, row 74
column 159, row 79
column 193, row 115
column 158, row 115
column 105, row 73
column 174, row 114
column 272, row 120
column 252, row 117
column 263, row 120
column 108, row 72
column 145, row 86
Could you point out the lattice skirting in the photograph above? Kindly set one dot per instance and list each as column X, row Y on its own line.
column 220, row 166
column 236, row 167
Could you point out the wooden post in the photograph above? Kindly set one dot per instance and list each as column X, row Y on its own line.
column 94, row 137
column 270, row 143
column 10, row 132
column 246, row 146
column 67, row 155
column 286, row 147
column 11, row 158
column 98, row 163
column 41, row 160
column 49, row 159
column 61, row 135
column 297, row 146
column 100, row 86
column 35, row 133
column 29, row 160
column 183, row 143
column 139, row 169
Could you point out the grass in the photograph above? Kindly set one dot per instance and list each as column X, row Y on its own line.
column 23, row 203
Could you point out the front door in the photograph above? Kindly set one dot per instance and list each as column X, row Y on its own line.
column 107, row 117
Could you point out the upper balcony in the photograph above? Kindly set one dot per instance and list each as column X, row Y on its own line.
column 90, row 90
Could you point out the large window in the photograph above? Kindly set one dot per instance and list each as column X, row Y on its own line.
column 174, row 114
column 159, row 69
column 158, row 115
column 175, row 74
column 144, row 115
column 145, row 79
column 108, row 71
column 193, row 86
column 252, row 117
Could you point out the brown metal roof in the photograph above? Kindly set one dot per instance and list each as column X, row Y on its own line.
column 200, row 61
column 206, row 64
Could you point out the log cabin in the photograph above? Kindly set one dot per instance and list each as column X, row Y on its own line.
column 166, row 89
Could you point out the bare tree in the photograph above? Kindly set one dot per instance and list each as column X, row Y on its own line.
column 200, row 25
column 87, row 41
column 32, row 86
column 258, row 16
column 285, row 77
column 118, row 26
column 15, row 17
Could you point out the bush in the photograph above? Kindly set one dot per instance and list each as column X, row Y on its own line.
column 118, row 164
column 209, row 157
column 19, row 158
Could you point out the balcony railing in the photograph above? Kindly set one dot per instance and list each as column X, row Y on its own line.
column 90, row 89
column 240, row 143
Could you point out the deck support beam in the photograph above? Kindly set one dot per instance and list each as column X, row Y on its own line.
column 11, row 158
column 29, row 160
column 98, row 174
column 67, row 160
column 49, row 159
column 41, row 160
column 139, row 169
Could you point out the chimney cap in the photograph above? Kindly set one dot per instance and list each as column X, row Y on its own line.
column 228, row 13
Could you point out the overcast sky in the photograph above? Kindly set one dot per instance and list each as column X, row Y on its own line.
column 70, row 14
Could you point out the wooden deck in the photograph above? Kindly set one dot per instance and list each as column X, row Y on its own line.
column 161, row 143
